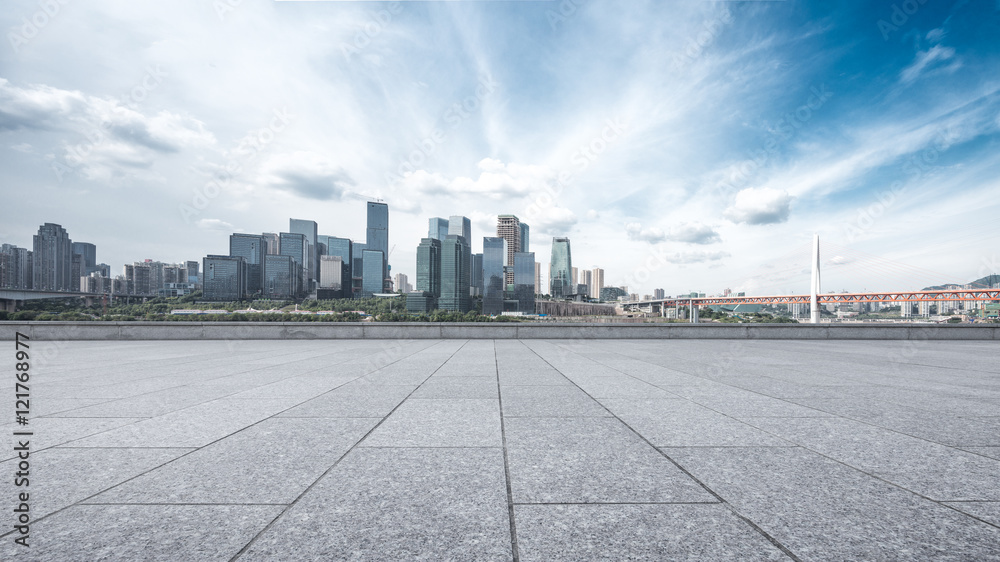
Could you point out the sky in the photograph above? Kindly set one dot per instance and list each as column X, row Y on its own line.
column 683, row 145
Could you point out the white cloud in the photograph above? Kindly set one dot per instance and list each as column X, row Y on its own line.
column 694, row 233
column 759, row 206
column 496, row 180
column 216, row 224
column 636, row 232
column 924, row 60
column 307, row 175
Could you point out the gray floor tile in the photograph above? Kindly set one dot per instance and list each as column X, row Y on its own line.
column 356, row 399
column 590, row 460
column 681, row 423
column 986, row 511
column 822, row 510
column 271, row 462
column 440, row 423
column 549, row 401
column 411, row 504
column 50, row 432
column 637, row 532
column 165, row 533
column 458, row 387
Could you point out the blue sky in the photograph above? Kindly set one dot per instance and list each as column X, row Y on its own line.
column 682, row 145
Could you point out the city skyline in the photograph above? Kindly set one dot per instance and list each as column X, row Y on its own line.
column 730, row 137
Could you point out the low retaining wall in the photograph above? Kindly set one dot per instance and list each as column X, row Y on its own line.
column 63, row 331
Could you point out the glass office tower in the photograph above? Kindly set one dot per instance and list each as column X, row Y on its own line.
column 524, row 282
column 252, row 248
column 477, row 275
column 296, row 246
column 561, row 269
column 280, row 275
column 372, row 276
column 494, row 254
column 377, row 233
column 437, row 228
column 525, row 231
column 310, row 266
column 340, row 247
column 455, row 274
column 429, row 266
column 225, row 278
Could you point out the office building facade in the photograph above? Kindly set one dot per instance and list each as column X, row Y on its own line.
column 494, row 283
column 296, row 246
column 310, row 263
column 16, row 267
column 596, row 282
column 455, row 274
column 525, row 232
column 524, row 282
column 561, row 269
column 281, row 277
column 252, row 248
column 509, row 228
column 437, row 228
column 52, row 256
column 476, row 283
column 89, row 253
column 429, row 266
column 372, row 272
column 225, row 278
column 377, row 233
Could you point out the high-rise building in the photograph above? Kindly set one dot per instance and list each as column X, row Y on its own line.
column 586, row 278
column 273, row 242
column 575, row 277
column 402, row 283
column 296, row 246
column 16, row 272
column 281, row 277
column 524, row 238
column 192, row 271
column 225, row 278
column 455, row 270
column 372, row 272
column 310, row 265
column 596, row 282
column 357, row 263
column 252, row 248
column 377, row 233
column 340, row 247
column 561, row 269
column 509, row 228
column 429, row 266
column 476, row 287
column 462, row 226
column 538, row 277
column 52, row 259
column 494, row 282
column 659, row 294
column 524, row 282
column 76, row 268
column 331, row 277
column 89, row 253
column 437, row 228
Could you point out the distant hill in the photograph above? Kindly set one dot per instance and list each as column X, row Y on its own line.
column 984, row 283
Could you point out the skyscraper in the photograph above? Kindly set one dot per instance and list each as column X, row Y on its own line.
column 596, row 282
column 538, row 277
column 561, row 269
column 524, row 282
column 17, row 269
column 340, row 247
column 192, row 271
column 89, row 253
column 53, row 259
column 273, row 243
column 476, row 287
column 331, row 277
column 429, row 266
column 509, row 228
column 252, row 248
column 494, row 255
column 455, row 270
column 462, row 226
column 357, row 263
column 225, row 278
column 296, row 246
column 401, row 283
column 281, row 275
column 372, row 272
column 437, row 228
column 575, row 277
column 310, row 264
column 524, row 238
column 377, row 234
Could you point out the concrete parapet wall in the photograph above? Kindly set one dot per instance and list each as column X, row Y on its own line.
column 66, row 331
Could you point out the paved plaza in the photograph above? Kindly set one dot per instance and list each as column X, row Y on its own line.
column 535, row 450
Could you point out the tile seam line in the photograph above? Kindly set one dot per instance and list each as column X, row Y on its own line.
column 515, row 549
column 193, row 450
column 722, row 501
column 246, row 547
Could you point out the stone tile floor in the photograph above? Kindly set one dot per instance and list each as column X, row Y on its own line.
column 501, row 450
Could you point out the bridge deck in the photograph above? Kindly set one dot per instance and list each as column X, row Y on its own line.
column 475, row 450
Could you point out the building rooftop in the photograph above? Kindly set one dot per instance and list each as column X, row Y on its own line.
column 487, row 450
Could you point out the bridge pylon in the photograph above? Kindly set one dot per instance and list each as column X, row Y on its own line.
column 814, row 286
